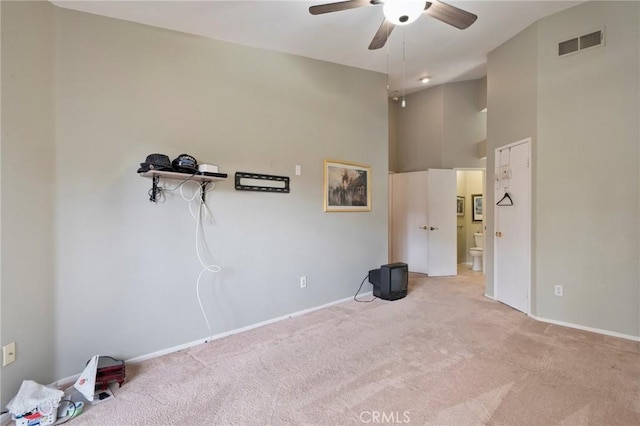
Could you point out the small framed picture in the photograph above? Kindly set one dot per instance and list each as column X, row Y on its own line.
column 347, row 187
column 460, row 206
column 476, row 201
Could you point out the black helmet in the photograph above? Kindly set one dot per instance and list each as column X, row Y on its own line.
column 155, row 162
column 185, row 163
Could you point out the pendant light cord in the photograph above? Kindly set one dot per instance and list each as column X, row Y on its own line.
column 404, row 102
column 387, row 46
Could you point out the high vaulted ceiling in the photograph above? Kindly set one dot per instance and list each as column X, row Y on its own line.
column 431, row 47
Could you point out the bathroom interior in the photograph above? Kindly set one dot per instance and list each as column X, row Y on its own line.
column 470, row 226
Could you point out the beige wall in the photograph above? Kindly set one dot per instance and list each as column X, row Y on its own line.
column 581, row 112
column 115, row 273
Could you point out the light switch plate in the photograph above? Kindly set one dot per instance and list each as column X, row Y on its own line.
column 8, row 353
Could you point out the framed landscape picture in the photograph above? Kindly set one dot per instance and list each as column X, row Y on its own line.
column 476, row 206
column 347, row 187
column 460, row 206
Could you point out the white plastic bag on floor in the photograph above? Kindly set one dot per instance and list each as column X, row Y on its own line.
column 34, row 396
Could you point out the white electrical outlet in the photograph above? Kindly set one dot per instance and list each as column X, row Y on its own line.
column 298, row 170
column 303, row 282
column 558, row 290
column 8, row 353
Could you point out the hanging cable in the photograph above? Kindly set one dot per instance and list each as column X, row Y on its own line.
column 205, row 268
column 355, row 296
column 387, row 46
column 213, row 268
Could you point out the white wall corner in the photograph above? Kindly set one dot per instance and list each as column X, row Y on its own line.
column 482, row 149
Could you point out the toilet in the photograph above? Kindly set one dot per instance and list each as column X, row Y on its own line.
column 476, row 252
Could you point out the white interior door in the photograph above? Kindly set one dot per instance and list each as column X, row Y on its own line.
column 513, row 225
column 442, row 218
column 410, row 240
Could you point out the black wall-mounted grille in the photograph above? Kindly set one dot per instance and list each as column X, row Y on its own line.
column 568, row 46
column 252, row 182
column 590, row 40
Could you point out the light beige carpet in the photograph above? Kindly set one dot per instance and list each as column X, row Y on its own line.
column 443, row 355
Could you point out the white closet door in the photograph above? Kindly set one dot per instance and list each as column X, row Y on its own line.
column 513, row 226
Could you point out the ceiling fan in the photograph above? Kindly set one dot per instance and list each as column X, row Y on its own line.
column 402, row 12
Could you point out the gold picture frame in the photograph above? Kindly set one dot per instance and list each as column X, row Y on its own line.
column 347, row 187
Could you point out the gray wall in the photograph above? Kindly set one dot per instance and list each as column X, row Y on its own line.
column 440, row 128
column 393, row 107
column 512, row 86
column 121, row 271
column 588, row 170
column 582, row 113
column 463, row 125
column 419, row 127
column 27, row 193
column 482, row 93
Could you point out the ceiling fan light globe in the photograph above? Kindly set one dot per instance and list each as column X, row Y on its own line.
column 402, row 12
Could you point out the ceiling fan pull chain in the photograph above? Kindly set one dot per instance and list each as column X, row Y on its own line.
column 404, row 102
column 388, row 84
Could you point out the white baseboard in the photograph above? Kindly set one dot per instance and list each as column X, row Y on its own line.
column 71, row 379
column 237, row 330
column 585, row 328
column 578, row 326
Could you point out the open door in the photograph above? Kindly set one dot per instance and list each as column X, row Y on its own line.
column 441, row 212
column 423, row 225
column 410, row 240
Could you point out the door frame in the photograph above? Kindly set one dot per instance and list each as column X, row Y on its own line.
column 528, row 225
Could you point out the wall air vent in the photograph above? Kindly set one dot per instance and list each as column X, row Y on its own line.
column 568, row 46
column 582, row 42
column 591, row 40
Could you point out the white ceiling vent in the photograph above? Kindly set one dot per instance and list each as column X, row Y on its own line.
column 582, row 42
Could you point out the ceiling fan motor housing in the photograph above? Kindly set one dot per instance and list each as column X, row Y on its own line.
column 403, row 12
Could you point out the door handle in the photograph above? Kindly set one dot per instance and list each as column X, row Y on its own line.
column 433, row 229
column 498, row 234
column 424, row 227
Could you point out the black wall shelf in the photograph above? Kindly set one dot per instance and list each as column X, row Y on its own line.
column 155, row 176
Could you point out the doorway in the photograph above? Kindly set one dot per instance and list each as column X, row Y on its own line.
column 512, row 222
column 470, row 184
